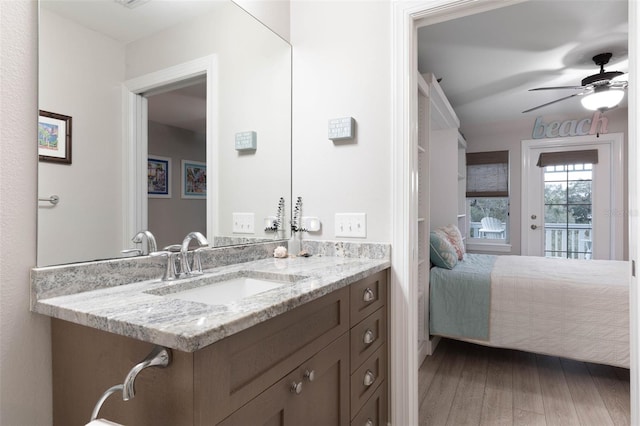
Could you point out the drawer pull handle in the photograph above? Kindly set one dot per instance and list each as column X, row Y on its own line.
column 369, row 378
column 368, row 295
column 368, row 337
column 296, row 388
column 369, row 422
column 309, row 375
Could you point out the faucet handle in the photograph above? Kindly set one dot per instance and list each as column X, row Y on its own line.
column 174, row 248
column 131, row 252
column 196, row 267
column 170, row 271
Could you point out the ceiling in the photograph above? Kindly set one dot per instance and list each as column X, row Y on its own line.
column 125, row 24
column 489, row 61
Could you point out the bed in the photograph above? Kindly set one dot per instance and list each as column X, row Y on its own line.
column 575, row 309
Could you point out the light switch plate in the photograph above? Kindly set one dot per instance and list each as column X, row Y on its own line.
column 351, row 225
column 342, row 128
column 243, row 223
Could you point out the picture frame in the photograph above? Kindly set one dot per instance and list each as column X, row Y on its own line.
column 54, row 137
column 194, row 179
column 158, row 176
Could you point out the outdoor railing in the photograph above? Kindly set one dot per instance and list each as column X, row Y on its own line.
column 559, row 239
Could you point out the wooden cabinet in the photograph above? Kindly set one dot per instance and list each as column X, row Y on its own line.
column 231, row 372
column 323, row 363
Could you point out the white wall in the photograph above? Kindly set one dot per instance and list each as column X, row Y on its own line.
column 341, row 63
column 170, row 219
column 273, row 13
column 254, row 86
column 508, row 136
column 80, row 76
column 25, row 346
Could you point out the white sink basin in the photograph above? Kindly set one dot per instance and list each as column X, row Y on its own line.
column 225, row 288
column 228, row 291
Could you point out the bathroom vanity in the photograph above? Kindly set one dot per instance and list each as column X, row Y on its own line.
column 313, row 351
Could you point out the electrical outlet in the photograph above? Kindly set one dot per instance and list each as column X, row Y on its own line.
column 311, row 223
column 243, row 223
column 351, row 225
column 270, row 222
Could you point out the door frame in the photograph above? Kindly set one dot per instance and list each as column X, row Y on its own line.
column 135, row 140
column 406, row 18
column 615, row 143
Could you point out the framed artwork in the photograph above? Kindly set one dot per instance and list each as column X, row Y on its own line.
column 158, row 176
column 54, row 137
column 194, row 179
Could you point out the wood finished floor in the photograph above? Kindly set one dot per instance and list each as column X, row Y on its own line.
column 466, row 384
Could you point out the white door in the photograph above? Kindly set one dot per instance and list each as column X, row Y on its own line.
column 573, row 210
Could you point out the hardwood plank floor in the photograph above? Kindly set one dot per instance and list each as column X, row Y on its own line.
column 467, row 384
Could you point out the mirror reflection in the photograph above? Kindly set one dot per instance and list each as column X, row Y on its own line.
column 180, row 120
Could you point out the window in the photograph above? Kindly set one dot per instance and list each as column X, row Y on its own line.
column 568, row 182
column 488, row 196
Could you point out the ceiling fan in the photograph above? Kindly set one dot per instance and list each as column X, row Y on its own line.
column 601, row 91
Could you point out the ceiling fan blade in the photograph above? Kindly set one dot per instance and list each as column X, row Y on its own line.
column 557, row 88
column 621, row 78
column 552, row 102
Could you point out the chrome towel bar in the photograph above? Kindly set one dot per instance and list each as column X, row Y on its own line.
column 54, row 199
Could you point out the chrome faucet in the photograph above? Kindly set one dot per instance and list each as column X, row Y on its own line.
column 185, row 269
column 158, row 357
column 148, row 242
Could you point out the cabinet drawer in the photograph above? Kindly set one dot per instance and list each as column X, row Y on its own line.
column 314, row 394
column 374, row 411
column 366, row 379
column 234, row 370
column 367, row 336
column 368, row 295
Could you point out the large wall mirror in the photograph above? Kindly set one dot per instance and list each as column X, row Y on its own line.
column 161, row 103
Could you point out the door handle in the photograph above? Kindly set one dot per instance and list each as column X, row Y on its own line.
column 534, row 227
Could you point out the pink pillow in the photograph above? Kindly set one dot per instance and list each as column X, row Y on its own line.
column 455, row 238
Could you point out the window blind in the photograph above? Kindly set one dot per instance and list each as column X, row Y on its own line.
column 488, row 174
column 588, row 156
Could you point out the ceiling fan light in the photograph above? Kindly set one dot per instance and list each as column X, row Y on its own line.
column 602, row 99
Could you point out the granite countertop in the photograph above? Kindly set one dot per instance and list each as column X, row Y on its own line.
column 143, row 310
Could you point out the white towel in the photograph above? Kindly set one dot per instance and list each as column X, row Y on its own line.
column 102, row 422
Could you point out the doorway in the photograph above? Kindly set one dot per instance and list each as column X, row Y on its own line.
column 407, row 17
column 571, row 199
column 177, row 140
column 136, row 143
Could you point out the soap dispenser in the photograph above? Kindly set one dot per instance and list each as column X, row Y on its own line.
column 294, row 244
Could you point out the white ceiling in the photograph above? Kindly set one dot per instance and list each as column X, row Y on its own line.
column 489, row 61
column 125, row 24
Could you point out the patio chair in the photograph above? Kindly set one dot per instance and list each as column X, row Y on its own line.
column 492, row 228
